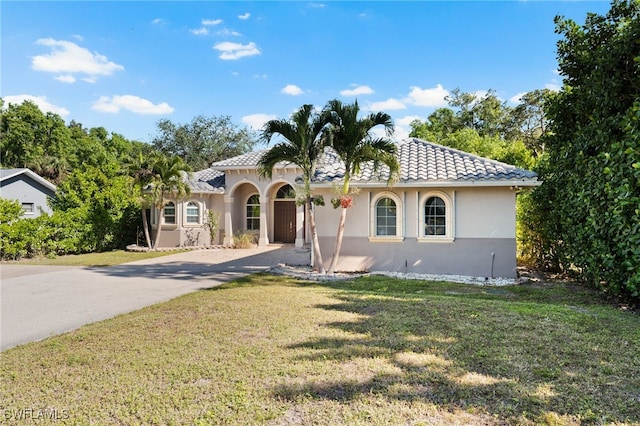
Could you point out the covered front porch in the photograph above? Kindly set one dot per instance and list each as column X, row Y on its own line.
column 271, row 215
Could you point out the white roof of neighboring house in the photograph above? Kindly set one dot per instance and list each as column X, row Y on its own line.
column 6, row 174
column 422, row 164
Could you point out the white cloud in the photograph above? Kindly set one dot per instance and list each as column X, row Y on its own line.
column 131, row 103
column 554, row 86
column 292, row 89
column 211, row 22
column 317, row 5
column 407, row 120
column 66, row 78
column 256, row 121
column 260, row 76
column 68, row 58
column 157, row 21
column 434, row 97
column 357, row 90
column 200, row 31
column 389, row 104
column 515, row 99
column 40, row 101
column 226, row 32
column 403, row 126
column 244, row 16
column 232, row 51
column 78, row 37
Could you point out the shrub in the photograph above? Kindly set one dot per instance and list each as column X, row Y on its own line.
column 244, row 240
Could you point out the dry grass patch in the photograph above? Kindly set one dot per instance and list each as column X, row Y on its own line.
column 275, row 351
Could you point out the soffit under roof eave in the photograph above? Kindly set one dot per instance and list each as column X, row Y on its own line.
column 252, row 168
column 33, row 175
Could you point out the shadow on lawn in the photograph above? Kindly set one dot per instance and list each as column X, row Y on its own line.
column 517, row 360
column 226, row 271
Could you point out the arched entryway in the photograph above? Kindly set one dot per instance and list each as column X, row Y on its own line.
column 284, row 215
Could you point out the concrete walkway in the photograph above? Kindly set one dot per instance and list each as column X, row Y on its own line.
column 41, row 301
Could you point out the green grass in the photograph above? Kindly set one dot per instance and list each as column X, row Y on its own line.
column 273, row 350
column 108, row 258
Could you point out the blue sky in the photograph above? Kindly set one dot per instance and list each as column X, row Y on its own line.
column 124, row 65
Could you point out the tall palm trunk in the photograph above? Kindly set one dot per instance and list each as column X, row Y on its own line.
column 336, row 249
column 317, row 258
column 145, row 225
column 156, row 243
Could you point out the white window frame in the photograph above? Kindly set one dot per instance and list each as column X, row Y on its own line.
column 28, row 209
column 186, row 213
column 164, row 214
column 247, row 217
column 449, row 236
column 399, row 237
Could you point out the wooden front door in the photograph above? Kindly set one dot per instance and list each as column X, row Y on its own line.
column 284, row 221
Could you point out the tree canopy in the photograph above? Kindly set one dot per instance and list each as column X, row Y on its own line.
column 203, row 141
column 590, row 201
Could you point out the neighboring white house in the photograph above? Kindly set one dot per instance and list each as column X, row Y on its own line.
column 29, row 188
column 449, row 213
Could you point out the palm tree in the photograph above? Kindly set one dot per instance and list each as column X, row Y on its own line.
column 351, row 139
column 167, row 180
column 302, row 145
column 140, row 168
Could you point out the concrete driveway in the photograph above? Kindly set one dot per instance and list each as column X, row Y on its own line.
column 41, row 301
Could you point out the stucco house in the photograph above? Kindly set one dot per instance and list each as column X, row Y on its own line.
column 29, row 188
column 449, row 213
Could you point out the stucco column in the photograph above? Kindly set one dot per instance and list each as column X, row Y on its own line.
column 300, row 226
column 228, row 226
column 264, row 236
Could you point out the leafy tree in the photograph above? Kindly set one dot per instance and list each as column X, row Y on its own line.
column 593, row 172
column 530, row 122
column 350, row 137
column 101, row 198
column 486, row 114
column 203, row 141
column 167, row 180
column 302, row 145
column 30, row 138
column 10, row 210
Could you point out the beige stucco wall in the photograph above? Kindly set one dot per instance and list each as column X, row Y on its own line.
column 478, row 212
column 485, row 213
column 483, row 231
column 482, row 228
column 185, row 234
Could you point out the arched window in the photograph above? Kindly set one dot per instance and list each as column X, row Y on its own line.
column 386, row 217
column 170, row 213
column 286, row 191
column 193, row 213
column 253, row 213
column 436, row 218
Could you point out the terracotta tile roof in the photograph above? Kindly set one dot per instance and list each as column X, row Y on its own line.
column 422, row 161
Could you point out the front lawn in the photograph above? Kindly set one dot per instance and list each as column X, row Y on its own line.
column 272, row 350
